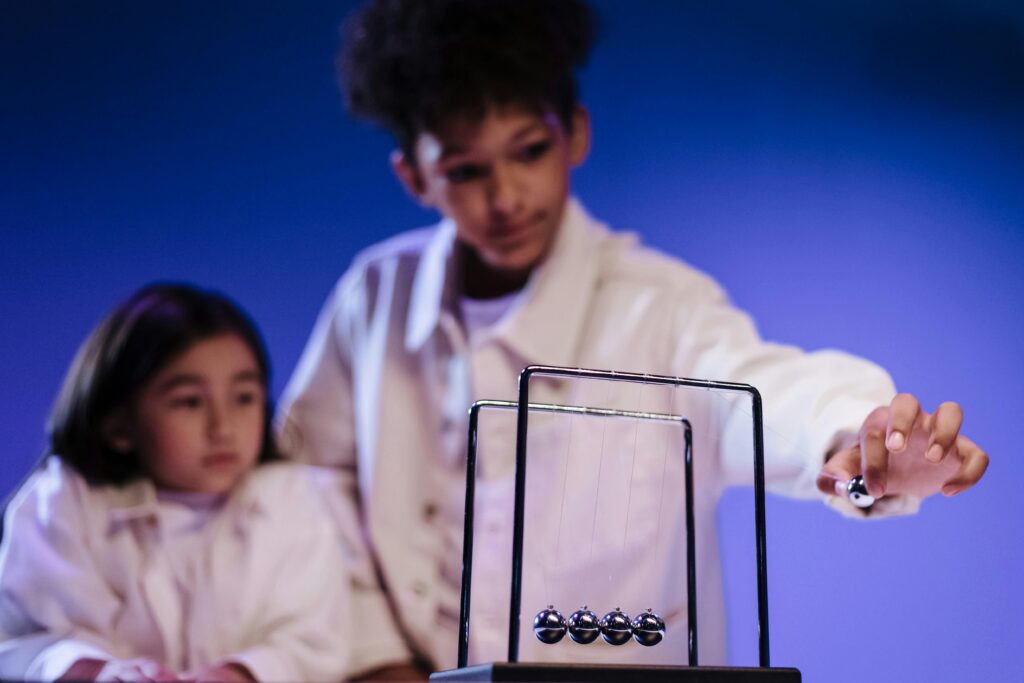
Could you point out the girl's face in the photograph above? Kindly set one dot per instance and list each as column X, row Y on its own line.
column 197, row 425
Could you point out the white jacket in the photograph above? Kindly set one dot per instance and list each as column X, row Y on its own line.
column 82, row 574
column 382, row 392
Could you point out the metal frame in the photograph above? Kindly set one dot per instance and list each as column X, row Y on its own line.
column 523, row 408
column 467, row 543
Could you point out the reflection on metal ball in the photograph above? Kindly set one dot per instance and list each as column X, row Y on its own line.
column 615, row 627
column 858, row 493
column 549, row 625
column 648, row 628
column 583, row 626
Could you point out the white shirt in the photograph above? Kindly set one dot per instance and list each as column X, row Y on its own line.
column 382, row 391
column 85, row 572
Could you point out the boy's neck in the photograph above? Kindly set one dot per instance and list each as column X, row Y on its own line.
column 478, row 280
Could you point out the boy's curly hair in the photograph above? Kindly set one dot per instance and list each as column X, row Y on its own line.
column 409, row 65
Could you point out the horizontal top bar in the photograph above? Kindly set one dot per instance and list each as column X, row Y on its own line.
column 635, row 377
column 580, row 410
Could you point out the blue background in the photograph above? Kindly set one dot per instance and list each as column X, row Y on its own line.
column 853, row 174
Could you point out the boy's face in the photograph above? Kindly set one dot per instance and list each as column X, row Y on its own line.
column 503, row 180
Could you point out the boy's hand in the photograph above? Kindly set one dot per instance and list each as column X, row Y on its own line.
column 901, row 449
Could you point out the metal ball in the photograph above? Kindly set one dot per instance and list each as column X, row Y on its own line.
column 648, row 628
column 549, row 625
column 615, row 627
column 583, row 626
column 858, row 494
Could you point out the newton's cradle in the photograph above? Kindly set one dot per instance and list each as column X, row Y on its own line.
column 583, row 626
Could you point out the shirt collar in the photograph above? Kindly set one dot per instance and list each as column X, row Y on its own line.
column 545, row 326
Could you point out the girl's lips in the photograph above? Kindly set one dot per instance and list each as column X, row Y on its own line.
column 220, row 459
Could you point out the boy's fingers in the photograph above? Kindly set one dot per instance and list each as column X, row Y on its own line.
column 874, row 457
column 838, row 470
column 975, row 462
column 945, row 428
column 903, row 412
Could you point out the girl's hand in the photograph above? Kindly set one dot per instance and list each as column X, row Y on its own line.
column 222, row 673
column 127, row 670
column 398, row 672
column 901, row 449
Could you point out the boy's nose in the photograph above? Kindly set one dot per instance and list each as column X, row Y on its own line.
column 505, row 195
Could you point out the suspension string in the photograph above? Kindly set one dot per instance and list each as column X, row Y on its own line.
column 632, row 466
column 565, row 485
column 664, row 467
column 600, row 469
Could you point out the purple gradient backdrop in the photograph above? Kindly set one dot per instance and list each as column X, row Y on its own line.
column 854, row 176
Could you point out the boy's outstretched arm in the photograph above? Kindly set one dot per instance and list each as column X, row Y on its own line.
column 902, row 449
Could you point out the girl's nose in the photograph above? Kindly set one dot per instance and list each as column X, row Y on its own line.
column 220, row 424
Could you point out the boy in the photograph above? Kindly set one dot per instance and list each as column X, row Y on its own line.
column 482, row 101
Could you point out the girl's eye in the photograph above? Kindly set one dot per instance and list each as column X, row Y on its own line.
column 189, row 402
column 535, row 150
column 246, row 398
column 464, row 173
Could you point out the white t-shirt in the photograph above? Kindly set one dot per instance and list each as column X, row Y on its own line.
column 480, row 315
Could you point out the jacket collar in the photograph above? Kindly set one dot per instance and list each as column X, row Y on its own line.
column 544, row 327
column 433, row 286
column 133, row 501
column 136, row 501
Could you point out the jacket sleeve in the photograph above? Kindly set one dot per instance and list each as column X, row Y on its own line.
column 55, row 607
column 810, row 400
column 317, row 424
column 304, row 622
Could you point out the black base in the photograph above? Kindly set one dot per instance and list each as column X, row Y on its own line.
column 528, row 672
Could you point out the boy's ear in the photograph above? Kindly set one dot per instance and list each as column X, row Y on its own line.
column 408, row 175
column 579, row 138
column 117, row 431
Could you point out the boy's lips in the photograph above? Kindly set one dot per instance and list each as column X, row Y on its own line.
column 510, row 232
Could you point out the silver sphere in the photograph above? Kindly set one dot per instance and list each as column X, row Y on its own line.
column 549, row 625
column 583, row 626
column 648, row 628
column 858, row 494
column 615, row 627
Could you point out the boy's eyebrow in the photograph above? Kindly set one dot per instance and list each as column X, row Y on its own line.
column 527, row 130
column 450, row 149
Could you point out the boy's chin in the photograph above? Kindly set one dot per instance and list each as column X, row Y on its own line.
column 515, row 263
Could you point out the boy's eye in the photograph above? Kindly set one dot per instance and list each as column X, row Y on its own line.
column 534, row 150
column 464, row 173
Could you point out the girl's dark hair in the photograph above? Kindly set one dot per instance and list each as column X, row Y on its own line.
column 128, row 348
column 409, row 65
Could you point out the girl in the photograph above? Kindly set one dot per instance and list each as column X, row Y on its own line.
column 163, row 538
